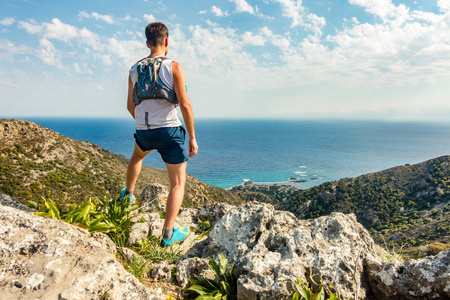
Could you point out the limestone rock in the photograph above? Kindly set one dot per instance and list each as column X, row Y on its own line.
column 13, row 202
column 128, row 254
column 161, row 272
column 427, row 278
column 188, row 268
column 153, row 197
column 42, row 258
column 271, row 249
column 139, row 231
column 214, row 212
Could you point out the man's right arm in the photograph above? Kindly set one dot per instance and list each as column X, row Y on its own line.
column 130, row 103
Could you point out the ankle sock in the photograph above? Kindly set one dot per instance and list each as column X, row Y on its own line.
column 129, row 194
column 167, row 234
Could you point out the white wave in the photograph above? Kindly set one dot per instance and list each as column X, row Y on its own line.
column 302, row 167
column 299, row 172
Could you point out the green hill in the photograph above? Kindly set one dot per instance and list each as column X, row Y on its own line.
column 407, row 206
column 37, row 162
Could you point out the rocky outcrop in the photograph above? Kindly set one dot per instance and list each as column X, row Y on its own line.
column 271, row 249
column 6, row 200
column 43, row 258
column 427, row 278
column 153, row 197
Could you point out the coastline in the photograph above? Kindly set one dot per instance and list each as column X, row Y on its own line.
column 251, row 184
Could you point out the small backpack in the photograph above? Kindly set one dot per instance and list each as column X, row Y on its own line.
column 149, row 86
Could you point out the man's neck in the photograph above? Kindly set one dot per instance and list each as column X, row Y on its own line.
column 157, row 52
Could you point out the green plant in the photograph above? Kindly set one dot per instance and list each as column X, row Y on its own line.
column 304, row 292
column 205, row 228
column 113, row 218
column 137, row 267
column 220, row 288
column 152, row 251
column 116, row 221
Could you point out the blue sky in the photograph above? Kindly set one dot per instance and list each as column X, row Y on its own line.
column 283, row 59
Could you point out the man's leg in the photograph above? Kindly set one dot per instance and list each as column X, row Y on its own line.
column 134, row 167
column 177, row 177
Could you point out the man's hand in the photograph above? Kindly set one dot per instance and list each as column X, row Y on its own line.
column 193, row 147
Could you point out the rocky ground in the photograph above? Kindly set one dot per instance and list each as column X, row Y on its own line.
column 43, row 258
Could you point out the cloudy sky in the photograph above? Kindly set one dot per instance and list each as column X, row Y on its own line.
column 355, row 59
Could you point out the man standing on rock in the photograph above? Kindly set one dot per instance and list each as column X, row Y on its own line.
column 156, row 86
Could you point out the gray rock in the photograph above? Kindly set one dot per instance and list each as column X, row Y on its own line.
column 162, row 272
column 188, row 268
column 139, row 231
column 42, row 258
column 153, row 197
column 271, row 249
column 13, row 202
column 128, row 254
column 214, row 212
column 427, row 278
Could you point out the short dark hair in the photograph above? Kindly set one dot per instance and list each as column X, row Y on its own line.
column 155, row 33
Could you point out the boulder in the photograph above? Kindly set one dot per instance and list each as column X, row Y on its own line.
column 271, row 249
column 42, row 258
column 427, row 278
column 13, row 202
column 162, row 272
column 153, row 197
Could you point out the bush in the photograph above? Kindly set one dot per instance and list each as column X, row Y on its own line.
column 222, row 287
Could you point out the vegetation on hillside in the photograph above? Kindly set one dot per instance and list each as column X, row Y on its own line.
column 37, row 162
column 407, row 206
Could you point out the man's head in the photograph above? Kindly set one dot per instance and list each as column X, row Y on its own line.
column 156, row 34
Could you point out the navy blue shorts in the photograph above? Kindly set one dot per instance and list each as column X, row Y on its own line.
column 169, row 141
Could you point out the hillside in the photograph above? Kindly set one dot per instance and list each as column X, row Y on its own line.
column 406, row 205
column 37, row 162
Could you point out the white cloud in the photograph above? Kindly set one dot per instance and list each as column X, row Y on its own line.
column 47, row 53
column 243, row 6
column 108, row 19
column 83, row 69
column 202, row 12
column 253, row 40
column 7, row 21
column 105, row 59
column 149, row 18
column 444, row 5
column 218, row 12
column 295, row 10
column 31, row 27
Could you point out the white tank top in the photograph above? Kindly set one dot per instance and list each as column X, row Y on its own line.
column 152, row 114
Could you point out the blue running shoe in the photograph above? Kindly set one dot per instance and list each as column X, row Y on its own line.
column 123, row 196
column 179, row 234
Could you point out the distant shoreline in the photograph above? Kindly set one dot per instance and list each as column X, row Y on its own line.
column 249, row 184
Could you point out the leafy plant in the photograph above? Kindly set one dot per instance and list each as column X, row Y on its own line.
column 116, row 220
column 221, row 287
column 153, row 252
column 113, row 218
column 304, row 292
column 137, row 267
column 205, row 228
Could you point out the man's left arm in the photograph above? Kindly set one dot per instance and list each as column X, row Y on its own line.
column 130, row 103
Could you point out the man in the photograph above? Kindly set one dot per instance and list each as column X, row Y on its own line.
column 156, row 86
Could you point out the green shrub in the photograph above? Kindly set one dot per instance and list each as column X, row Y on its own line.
column 222, row 287
column 113, row 218
column 137, row 267
column 304, row 292
column 153, row 252
column 205, row 228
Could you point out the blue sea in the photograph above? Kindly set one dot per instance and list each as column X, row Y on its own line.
column 269, row 151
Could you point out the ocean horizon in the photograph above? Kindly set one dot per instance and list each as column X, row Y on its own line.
column 272, row 151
